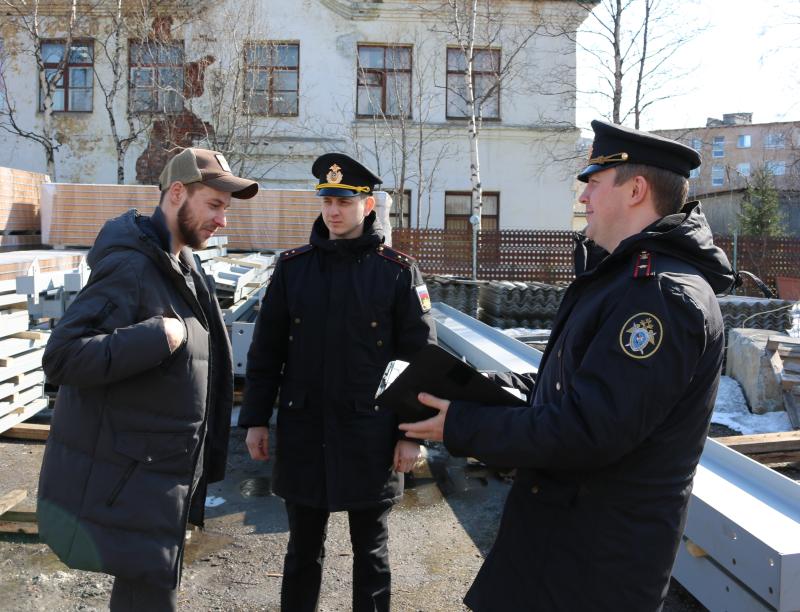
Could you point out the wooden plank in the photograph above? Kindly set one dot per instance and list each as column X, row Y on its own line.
column 21, row 399
column 19, row 516
column 28, row 431
column 777, row 459
column 26, row 528
column 20, row 414
column 22, row 363
column 789, row 381
column 775, row 342
column 783, row 441
column 21, row 342
column 11, row 499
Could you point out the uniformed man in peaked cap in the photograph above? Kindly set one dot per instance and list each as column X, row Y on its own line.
column 608, row 446
column 336, row 312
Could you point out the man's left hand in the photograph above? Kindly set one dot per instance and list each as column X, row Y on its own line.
column 433, row 428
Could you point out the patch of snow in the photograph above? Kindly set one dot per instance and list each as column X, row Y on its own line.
column 731, row 410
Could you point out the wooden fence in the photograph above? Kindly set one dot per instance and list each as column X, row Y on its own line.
column 546, row 256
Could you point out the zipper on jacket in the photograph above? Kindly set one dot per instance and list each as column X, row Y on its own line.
column 117, row 489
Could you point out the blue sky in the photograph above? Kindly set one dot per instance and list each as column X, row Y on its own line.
column 747, row 60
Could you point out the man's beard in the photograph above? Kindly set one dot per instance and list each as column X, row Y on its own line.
column 189, row 232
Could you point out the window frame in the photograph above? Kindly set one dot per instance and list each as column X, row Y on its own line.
column 384, row 72
column 773, row 164
column 741, row 166
column 461, row 73
column 775, row 136
column 65, row 73
column 271, row 69
column 718, row 147
column 720, row 169
column 156, row 88
column 466, row 217
column 749, row 141
column 405, row 214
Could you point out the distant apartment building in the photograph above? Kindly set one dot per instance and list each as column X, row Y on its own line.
column 732, row 149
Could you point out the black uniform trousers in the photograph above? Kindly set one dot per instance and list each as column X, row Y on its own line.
column 302, row 568
column 135, row 596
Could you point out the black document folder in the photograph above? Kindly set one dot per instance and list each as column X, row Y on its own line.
column 438, row 372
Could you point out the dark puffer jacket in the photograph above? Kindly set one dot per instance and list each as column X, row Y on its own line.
column 608, row 449
column 335, row 314
column 136, row 430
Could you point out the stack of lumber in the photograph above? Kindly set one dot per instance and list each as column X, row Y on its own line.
column 20, row 207
column 21, row 350
column 16, row 521
column 73, row 214
column 786, row 365
column 18, row 263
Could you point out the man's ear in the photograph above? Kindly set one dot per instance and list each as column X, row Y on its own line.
column 369, row 204
column 639, row 190
column 176, row 193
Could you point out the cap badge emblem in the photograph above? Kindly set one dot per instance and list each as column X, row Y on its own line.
column 223, row 163
column 335, row 174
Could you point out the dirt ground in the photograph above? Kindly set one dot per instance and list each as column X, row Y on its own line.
column 439, row 535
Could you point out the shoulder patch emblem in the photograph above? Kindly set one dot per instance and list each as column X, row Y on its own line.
column 423, row 296
column 641, row 335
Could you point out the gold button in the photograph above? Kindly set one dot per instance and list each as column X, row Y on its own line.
column 374, row 324
column 380, row 249
column 291, row 338
column 535, row 489
column 380, row 343
column 290, row 403
column 558, row 386
column 297, row 320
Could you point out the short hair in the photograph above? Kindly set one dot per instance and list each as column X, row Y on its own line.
column 669, row 189
column 190, row 189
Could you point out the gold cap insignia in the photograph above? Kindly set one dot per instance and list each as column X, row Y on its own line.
column 335, row 174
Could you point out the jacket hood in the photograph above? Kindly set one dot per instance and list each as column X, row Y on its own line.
column 372, row 236
column 685, row 235
column 133, row 230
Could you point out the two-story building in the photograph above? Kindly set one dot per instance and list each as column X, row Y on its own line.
column 274, row 84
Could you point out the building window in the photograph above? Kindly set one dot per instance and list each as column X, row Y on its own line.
column 743, row 141
column 384, row 81
column 776, row 168
column 774, row 141
column 272, row 78
column 718, row 150
column 458, row 210
column 697, row 144
column 72, row 81
column 485, row 70
column 156, row 77
column 743, row 169
column 718, row 176
column 694, row 173
column 400, row 214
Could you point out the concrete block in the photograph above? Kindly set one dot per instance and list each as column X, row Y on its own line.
column 748, row 361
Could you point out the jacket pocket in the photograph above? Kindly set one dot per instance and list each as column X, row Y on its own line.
column 166, row 452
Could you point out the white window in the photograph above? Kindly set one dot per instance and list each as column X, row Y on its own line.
column 71, row 78
column 486, row 83
column 718, row 150
column 272, row 78
column 458, row 209
column 697, row 144
column 743, row 141
column 718, row 176
column 743, row 169
column 776, row 168
column 384, row 81
column 156, row 77
column 775, row 140
column 694, row 173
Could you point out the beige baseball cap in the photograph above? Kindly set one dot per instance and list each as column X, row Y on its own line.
column 207, row 167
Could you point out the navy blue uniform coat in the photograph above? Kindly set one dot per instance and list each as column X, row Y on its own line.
column 335, row 314
column 607, row 451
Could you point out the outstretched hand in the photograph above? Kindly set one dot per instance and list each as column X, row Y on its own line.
column 429, row 429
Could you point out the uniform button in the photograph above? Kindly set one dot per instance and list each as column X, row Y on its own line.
column 297, row 320
column 559, row 353
column 291, row 338
column 558, row 386
column 290, row 403
column 535, row 489
column 148, row 459
column 379, row 343
column 377, row 408
column 374, row 324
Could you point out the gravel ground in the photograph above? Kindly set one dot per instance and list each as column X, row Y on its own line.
column 439, row 535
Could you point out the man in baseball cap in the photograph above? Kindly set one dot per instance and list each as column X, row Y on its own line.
column 144, row 363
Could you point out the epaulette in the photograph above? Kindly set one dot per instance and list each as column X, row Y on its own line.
column 395, row 256
column 295, row 252
column 644, row 265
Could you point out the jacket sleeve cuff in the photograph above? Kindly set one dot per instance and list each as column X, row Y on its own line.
column 458, row 427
